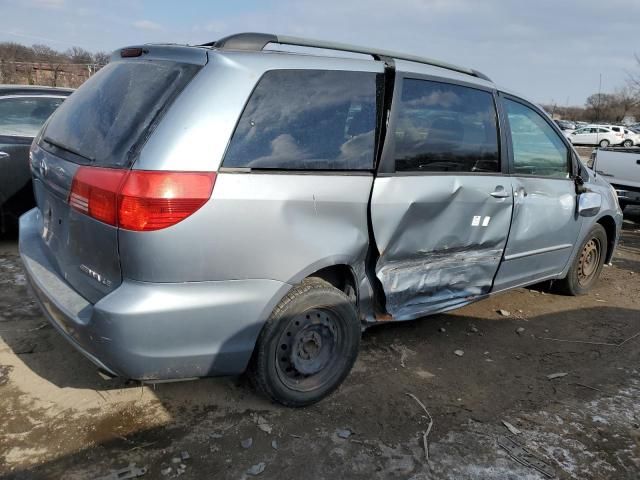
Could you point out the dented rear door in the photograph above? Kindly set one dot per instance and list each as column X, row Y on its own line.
column 441, row 207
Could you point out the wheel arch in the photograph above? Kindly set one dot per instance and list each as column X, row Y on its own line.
column 342, row 276
column 609, row 224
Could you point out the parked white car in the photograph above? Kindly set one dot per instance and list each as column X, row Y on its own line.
column 601, row 135
column 631, row 138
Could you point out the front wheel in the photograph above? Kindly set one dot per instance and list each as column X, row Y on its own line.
column 604, row 143
column 587, row 265
column 308, row 345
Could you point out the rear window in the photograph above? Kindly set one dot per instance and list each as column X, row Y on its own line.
column 307, row 120
column 107, row 120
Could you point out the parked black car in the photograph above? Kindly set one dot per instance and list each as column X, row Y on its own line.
column 565, row 124
column 23, row 110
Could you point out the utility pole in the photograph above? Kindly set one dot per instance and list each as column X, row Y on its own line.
column 599, row 99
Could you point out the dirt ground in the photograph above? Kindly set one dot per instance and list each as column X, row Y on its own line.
column 59, row 419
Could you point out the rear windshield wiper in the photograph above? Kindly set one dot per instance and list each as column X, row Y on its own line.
column 66, row 148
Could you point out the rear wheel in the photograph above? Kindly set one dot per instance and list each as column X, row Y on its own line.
column 587, row 265
column 627, row 143
column 307, row 346
column 604, row 143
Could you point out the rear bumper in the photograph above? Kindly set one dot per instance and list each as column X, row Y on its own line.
column 153, row 331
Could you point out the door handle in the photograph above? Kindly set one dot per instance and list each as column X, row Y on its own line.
column 4, row 155
column 499, row 192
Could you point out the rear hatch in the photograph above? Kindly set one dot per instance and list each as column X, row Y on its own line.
column 87, row 148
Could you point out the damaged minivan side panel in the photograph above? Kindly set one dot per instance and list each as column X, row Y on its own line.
column 442, row 210
column 440, row 239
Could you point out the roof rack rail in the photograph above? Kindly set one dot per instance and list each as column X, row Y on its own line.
column 257, row 41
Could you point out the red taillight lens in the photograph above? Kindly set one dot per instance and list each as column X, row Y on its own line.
column 138, row 199
column 94, row 191
column 154, row 200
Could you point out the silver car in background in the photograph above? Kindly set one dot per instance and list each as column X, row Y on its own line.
column 214, row 209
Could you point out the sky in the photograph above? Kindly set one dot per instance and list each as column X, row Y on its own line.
column 551, row 51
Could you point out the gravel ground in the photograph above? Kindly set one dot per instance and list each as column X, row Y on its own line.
column 58, row 419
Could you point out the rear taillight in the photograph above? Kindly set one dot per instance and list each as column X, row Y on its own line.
column 94, row 191
column 154, row 200
column 139, row 200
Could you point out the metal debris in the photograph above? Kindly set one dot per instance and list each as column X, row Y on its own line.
column 274, row 444
column 263, row 425
column 5, row 370
column 520, row 330
column 344, row 433
column 557, row 375
column 442, row 329
column 425, row 435
column 524, row 457
column 125, row 473
column 459, row 352
column 247, row 443
column 511, row 428
column 257, row 469
column 185, row 455
column 606, row 344
column 504, row 313
column 473, row 329
column 403, row 351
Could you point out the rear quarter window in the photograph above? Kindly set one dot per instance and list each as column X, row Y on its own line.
column 107, row 119
column 307, row 120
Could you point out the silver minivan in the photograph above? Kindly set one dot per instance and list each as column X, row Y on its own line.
column 234, row 207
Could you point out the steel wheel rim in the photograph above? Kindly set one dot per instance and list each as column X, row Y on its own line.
column 589, row 261
column 310, row 349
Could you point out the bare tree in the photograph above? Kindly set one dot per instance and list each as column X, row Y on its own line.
column 101, row 58
column 626, row 99
column 79, row 55
column 634, row 78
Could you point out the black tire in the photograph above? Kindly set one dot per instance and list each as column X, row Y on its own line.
column 627, row 143
column 604, row 143
column 308, row 345
column 587, row 265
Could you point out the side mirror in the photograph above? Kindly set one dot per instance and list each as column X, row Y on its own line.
column 589, row 204
column 580, row 188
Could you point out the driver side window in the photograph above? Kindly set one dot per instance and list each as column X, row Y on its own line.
column 537, row 148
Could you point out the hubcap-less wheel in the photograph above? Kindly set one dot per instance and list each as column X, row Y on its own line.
column 604, row 143
column 309, row 349
column 589, row 261
column 627, row 143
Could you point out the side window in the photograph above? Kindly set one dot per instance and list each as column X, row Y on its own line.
column 307, row 119
column 537, row 148
column 445, row 128
column 604, row 130
column 23, row 116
